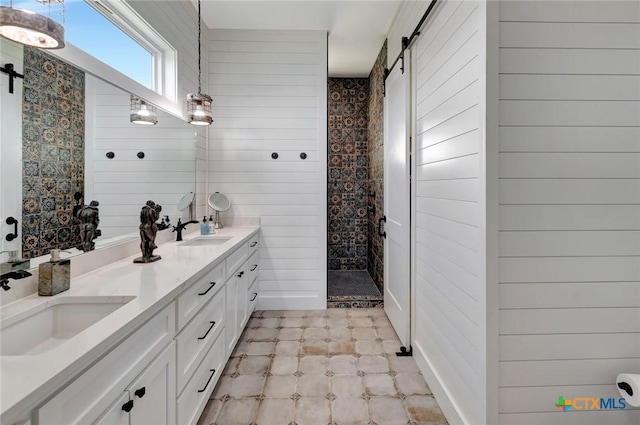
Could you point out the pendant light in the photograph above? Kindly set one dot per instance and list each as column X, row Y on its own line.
column 199, row 104
column 32, row 29
column 142, row 112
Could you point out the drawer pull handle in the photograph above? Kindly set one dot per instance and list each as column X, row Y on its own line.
column 254, row 244
column 255, row 294
column 255, row 266
column 140, row 392
column 128, row 406
column 208, row 289
column 213, row 372
column 241, row 274
column 208, row 330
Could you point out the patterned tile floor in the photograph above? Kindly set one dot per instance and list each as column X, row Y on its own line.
column 320, row 367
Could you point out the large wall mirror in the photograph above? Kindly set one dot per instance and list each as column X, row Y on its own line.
column 76, row 144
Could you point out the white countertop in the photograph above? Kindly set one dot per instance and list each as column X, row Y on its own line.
column 27, row 380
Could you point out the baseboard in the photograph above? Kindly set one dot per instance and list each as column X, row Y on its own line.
column 447, row 405
column 302, row 302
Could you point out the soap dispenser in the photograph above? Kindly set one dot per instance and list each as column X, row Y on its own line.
column 204, row 227
column 54, row 276
column 211, row 229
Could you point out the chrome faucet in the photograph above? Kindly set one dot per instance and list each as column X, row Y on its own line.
column 180, row 227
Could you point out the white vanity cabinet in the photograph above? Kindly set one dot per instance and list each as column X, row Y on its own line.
column 166, row 367
column 239, row 280
column 146, row 359
column 200, row 343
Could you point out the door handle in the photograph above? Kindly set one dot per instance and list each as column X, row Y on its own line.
column 213, row 372
column 12, row 221
column 208, row 289
column 381, row 220
column 212, row 324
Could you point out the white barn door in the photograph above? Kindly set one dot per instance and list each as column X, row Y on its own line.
column 397, row 263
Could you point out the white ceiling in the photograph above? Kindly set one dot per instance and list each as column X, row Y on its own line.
column 357, row 28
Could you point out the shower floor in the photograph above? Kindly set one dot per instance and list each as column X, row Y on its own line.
column 352, row 289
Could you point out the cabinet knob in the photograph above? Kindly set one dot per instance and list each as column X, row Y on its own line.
column 241, row 274
column 128, row 406
column 140, row 392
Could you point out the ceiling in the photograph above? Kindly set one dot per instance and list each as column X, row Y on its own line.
column 357, row 28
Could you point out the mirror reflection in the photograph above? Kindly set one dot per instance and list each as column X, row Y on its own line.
column 79, row 146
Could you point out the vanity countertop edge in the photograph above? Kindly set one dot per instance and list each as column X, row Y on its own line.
column 29, row 380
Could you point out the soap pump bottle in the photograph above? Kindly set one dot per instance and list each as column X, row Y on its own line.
column 54, row 276
column 211, row 229
column 204, row 227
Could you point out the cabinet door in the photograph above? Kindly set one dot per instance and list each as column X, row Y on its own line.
column 243, row 299
column 231, row 313
column 154, row 391
column 237, row 306
column 116, row 414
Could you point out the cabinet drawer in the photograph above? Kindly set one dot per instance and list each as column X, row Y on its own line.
column 236, row 258
column 196, row 394
column 253, row 244
column 94, row 391
column 196, row 338
column 189, row 302
column 252, row 267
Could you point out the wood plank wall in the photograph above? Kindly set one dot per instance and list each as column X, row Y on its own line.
column 270, row 95
column 569, row 207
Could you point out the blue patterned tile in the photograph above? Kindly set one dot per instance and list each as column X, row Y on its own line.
column 53, row 151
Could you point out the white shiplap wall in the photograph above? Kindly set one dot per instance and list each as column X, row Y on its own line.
column 270, row 95
column 569, row 207
column 123, row 184
column 449, row 336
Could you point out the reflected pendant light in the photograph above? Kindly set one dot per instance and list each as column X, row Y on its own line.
column 142, row 112
column 32, row 29
column 199, row 104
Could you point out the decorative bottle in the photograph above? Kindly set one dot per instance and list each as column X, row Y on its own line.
column 54, row 276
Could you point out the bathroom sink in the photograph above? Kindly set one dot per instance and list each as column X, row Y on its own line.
column 206, row 241
column 43, row 328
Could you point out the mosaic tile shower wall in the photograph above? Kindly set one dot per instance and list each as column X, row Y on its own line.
column 52, row 152
column 348, row 175
column 375, row 135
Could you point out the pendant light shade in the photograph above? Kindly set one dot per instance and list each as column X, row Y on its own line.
column 199, row 109
column 199, row 104
column 142, row 112
column 31, row 29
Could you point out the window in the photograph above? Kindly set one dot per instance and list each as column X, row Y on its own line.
column 112, row 32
